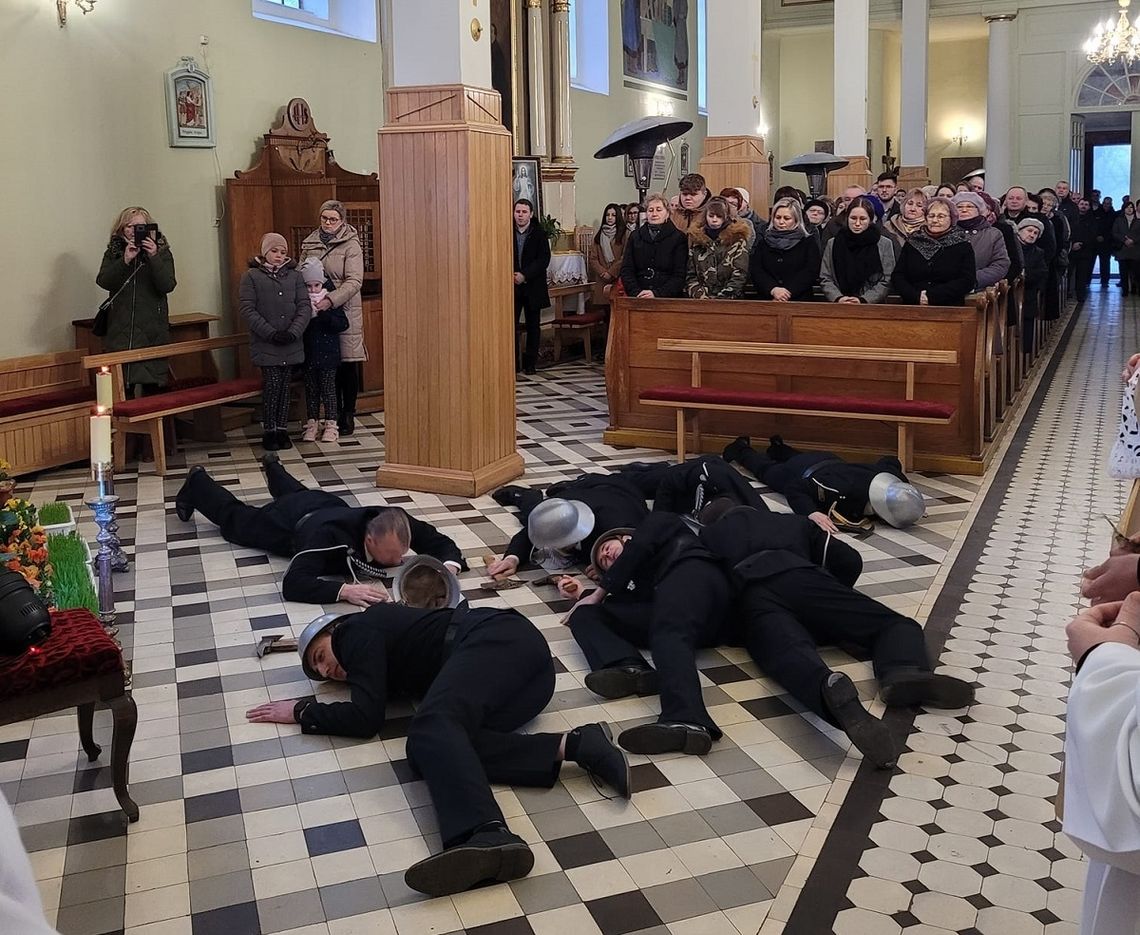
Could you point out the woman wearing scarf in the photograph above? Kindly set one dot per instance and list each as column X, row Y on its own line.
column 605, row 258
column 718, row 253
column 337, row 245
column 991, row 258
column 859, row 260
column 1126, row 242
column 936, row 265
column 785, row 265
column 656, row 254
column 909, row 220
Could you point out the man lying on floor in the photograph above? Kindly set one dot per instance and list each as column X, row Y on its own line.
column 461, row 737
column 687, row 487
column 320, row 532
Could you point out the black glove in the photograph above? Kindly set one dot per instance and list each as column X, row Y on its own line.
column 282, row 337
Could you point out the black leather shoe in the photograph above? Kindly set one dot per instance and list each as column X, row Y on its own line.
column 869, row 735
column 492, row 855
column 284, row 442
column 270, row 457
column 622, row 681
column 346, row 424
column 734, row 449
column 529, row 371
column 904, row 687
column 599, row 756
column 269, row 441
column 182, row 506
column 667, row 737
column 509, row 495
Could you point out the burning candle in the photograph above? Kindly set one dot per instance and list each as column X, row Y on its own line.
column 100, row 436
column 103, row 397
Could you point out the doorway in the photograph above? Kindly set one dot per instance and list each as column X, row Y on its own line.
column 1107, row 167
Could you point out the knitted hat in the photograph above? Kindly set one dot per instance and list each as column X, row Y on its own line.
column 271, row 240
column 990, row 203
column 817, row 203
column 312, row 270
column 969, row 198
column 333, row 205
column 1031, row 222
column 744, row 194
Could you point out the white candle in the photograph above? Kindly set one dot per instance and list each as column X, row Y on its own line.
column 100, row 436
column 103, row 397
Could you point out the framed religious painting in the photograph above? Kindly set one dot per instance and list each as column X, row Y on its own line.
column 655, row 44
column 526, row 182
column 190, row 117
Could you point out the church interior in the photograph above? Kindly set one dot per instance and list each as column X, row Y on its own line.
column 162, row 770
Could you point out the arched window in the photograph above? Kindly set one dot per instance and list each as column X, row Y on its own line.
column 590, row 46
column 1111, row 85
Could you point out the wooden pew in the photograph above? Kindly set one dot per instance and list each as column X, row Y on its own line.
column 45, row 404
column 635, row 362
column 146, row 415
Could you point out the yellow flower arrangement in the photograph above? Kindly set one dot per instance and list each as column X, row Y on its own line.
column 23, row 545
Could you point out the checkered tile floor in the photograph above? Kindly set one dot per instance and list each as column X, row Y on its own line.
column 253, row 828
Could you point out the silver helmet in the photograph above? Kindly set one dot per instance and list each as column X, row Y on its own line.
column 310, row 633
column 895, row 501
column 559, row 524
column 427, row 583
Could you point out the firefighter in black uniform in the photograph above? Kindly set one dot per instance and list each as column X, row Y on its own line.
column 602, row 501
column 461, row 737
column 323, row 535
column 661, row 589
column 687, row 487
column 796, row 592
column 826, row 489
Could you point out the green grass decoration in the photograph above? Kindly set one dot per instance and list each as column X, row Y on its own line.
column 70, row 582
column 52, row 514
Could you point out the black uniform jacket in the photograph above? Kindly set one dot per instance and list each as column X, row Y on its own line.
column 387, row 651
column 677, row 489
column 330, row 543
column 759, row 545
column 835, row 483
column 657, row 546
column 532, row 263
column 615, row 501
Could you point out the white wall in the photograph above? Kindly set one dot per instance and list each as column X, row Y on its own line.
column 86, row 134
column 958, row 77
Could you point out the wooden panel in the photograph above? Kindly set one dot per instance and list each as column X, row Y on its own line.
column 856, row 172
column 41, row 372
column 635, row 362
column 731, row 161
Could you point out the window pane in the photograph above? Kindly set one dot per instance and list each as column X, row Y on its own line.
column 1112, row 171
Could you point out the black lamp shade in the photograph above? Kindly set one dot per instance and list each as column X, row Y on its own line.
column 24, row 620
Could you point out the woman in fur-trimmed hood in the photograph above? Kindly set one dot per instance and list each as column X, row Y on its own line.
column 718, row 253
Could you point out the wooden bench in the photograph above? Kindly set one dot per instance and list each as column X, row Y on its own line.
column 905, row 413
column 145, row 415
column 45, row 404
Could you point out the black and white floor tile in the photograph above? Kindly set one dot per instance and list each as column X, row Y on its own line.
column 253, row 828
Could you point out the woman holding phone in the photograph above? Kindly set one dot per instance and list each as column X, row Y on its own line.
column 138, row 272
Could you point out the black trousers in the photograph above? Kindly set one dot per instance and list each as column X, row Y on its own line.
column 461, row 737
column 687, row 613
column 349, row 379
column 1127, row 275
column 660, row 483
column 784, row 619
column 533, row 316
column 1104, row 254
column 1084, row 272
column 267, row 528
column 781, row 465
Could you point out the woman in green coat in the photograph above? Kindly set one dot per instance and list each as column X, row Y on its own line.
column 138, row 271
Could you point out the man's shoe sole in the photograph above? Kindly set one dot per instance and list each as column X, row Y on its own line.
column 458, row 869
column 928, row 690
column 869, row 735
column 614, row 683
column 662, row 738
column 183, row 510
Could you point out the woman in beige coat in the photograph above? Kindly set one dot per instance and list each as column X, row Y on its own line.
column 337, row 245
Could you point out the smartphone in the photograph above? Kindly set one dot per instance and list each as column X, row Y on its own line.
column 142, row 231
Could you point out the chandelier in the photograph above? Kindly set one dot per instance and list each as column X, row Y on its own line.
column 1111, row 42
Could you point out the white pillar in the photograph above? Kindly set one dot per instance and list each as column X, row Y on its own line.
column 852, row 61
column 560, row 78
column 912, row 126
column 734, row 71
column 999, row 110
column 437, row 44
column 536, row 71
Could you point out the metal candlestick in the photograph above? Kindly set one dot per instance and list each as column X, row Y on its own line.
column 104, row 509
column 103, row 473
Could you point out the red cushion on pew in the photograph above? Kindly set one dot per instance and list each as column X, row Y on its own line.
column 41, row 402
column 711, row 396
column 78, row 649
column 194, row 395
column 580, row 321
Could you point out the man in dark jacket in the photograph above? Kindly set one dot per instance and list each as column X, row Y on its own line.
column 323, row 535
column 1105, row 220
column 1083, row 248
column 661, row 589
column 795, row 592
column 610, row 501
column 532, row 257
column 817, row 484
column 461, row 737
column 686, row 487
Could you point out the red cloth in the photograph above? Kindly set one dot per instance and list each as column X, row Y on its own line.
column 42, row 402
column 78, row 649
column 707, row 395
column 195, row 395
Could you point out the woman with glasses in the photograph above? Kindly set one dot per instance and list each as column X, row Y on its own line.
column 936, row 265
column 337, row 245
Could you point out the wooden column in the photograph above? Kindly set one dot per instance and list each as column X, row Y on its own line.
column 732, row 161
column 448, row 333
column 856, row 172
column 913, row 177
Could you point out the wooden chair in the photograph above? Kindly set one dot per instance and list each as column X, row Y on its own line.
column 577, row 325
